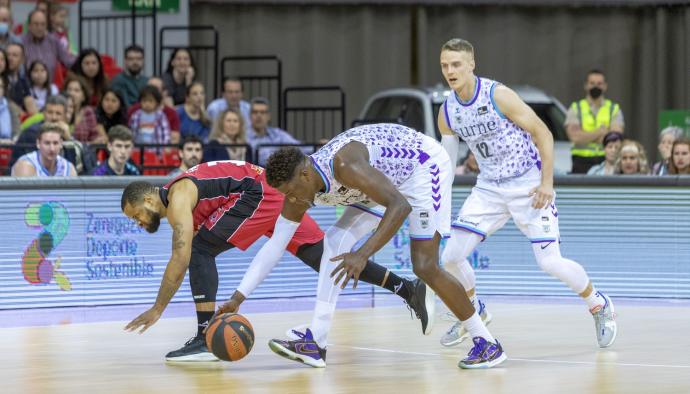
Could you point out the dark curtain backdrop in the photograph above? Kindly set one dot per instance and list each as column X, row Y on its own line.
column 645, row 51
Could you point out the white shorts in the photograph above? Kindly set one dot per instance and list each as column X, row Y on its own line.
column 429, row 191
column 491, row 204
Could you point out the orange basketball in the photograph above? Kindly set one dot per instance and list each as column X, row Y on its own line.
column 230, row 336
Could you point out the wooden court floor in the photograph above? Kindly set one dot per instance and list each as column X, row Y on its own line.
column 551, row 349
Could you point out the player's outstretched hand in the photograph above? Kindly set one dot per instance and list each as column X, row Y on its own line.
column 351, row 266
column 542, row 196
column 144, row 321
column 231, row 306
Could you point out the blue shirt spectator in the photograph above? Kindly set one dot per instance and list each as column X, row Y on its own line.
column 232, row 98
column 193, row 118
column 262, row 134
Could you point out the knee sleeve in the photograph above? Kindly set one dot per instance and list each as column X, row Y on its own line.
column 549, row 258
column 203, row 277
column 340, row 238
column 454, row 257
column 203, row 274
column 310, row 254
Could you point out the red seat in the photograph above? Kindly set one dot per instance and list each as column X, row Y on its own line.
column 151, row 158
column 171, row 157
column 5, row 157
column 136, row 157
column 110, row 67
column 102, row 155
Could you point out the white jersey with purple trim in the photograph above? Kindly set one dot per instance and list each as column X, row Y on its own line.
column 503, row 149
column 62, row 167
column 394, row 150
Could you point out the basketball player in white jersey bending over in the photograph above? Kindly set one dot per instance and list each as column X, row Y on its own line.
column 394, row 167
column 515, row 181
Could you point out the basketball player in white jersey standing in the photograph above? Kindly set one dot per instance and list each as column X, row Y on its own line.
column 514, row 150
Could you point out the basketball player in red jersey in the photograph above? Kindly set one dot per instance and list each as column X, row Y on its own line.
column 214, row 207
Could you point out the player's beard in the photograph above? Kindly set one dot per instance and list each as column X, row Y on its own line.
column 154, row 222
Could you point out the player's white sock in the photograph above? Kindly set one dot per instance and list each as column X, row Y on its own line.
column 473, row 300
column 321, row 322
column 476, row 328
column 594, row 299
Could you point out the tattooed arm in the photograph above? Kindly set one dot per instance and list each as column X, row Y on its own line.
column 182, row 197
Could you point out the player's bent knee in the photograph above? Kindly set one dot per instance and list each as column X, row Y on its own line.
column 426, row 270
column 549, row 264
column 451, row 255
column 548, row 259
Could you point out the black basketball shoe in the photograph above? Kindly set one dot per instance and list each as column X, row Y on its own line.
column 194, row 350
column 423, row 303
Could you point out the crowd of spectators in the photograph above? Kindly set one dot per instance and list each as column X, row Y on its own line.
column 105, row 112
column 101, row 114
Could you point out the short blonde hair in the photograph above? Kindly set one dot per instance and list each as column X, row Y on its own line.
column 458, row 45
column 217, row 130
column 638, row 149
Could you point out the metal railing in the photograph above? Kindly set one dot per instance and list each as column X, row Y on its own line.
column 151, row 159
column 205, row 55
column 111, row 31
column 307, row 118
column 262, row 151
column 260, row 76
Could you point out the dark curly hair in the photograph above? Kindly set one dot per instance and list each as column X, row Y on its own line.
column 281, row 165
column 135, row 192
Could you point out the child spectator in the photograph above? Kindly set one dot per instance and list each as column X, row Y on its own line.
column 149, row 123
column 41, row 87
column 59, row 14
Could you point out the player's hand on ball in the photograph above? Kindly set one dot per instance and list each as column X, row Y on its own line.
column 542, row 196
column 232, row 306
column 351, row 266
column 144, row 321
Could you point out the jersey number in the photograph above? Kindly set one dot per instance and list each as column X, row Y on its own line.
column 483, row 149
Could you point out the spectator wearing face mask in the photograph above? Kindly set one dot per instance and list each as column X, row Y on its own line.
column 589, row 120
column 6, row 36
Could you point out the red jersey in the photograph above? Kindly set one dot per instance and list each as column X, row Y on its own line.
column 236, row 203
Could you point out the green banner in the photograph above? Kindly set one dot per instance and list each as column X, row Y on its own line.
column 172, row 6
column 678, row 118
